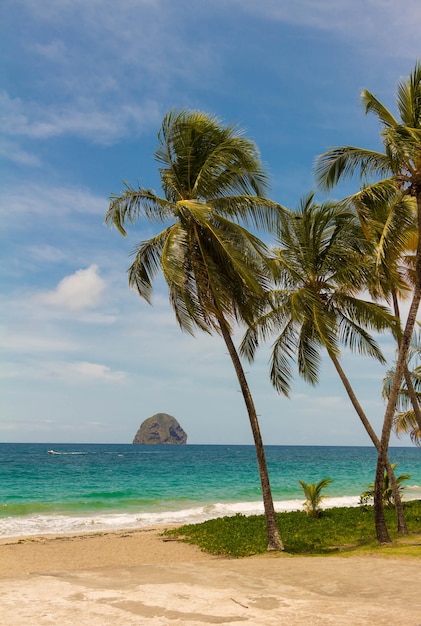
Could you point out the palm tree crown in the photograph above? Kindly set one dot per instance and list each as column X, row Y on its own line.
column 401, row 159
column 212, row 179
column 322, row 268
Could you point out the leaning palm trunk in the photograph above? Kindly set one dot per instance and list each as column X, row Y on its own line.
column 381, row 528
column 407, row 375
column 402, row 527
column 274, row 538
column 413, row 396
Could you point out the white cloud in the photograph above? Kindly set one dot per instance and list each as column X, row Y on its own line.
column 86, row 371
column 81, row 290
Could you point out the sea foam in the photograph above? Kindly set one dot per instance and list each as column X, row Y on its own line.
column 39, row 524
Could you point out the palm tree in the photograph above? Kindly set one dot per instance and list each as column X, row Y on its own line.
column 313, row 495
column 322, row 265
column 391, row 226
column 401, row 164
column 217, row 272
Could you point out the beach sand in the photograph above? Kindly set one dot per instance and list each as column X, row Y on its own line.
column 136, row 578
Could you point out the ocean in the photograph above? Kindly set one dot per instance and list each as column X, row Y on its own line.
column 84, row 488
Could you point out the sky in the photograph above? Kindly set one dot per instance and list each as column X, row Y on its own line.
column 84, row 88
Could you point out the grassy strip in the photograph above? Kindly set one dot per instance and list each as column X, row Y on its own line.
column 336, row 530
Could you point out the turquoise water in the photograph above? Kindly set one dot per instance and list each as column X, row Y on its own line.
column 98, row 487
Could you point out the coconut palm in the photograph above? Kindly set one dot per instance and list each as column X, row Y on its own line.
column 391, row 226
column 217, row 272
column 322, row 266
column 313, row 495
column 323, row 263
column 399, row 169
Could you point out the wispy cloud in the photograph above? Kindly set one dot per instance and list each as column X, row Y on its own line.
column 102, row 123
column 375, row 24
column 46, row 253
column 34, row 342
column 111, row 67
column 47, row 200
column 10, row 150
column 69, row 372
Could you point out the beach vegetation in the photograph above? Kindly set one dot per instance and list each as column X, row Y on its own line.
column 314, row 496
column 388, row 494
column 396, row 170
column 340, row 530
column 217, row 272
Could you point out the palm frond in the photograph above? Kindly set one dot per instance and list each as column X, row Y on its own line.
column 252, row 211
column 283, row 354
column 372, row 105
column 147, row 263
column 343, row 162
column 409, row 98
column 406, row 423
column 308, row 357
column 134, row 203
column 381, row 191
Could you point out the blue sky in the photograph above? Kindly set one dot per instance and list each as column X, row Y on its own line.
column 85, row 86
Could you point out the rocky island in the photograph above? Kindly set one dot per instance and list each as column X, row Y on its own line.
column 161, row 428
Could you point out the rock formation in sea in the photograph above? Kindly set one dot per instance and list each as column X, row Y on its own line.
column 161, row 428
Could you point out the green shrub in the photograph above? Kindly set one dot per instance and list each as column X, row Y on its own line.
column 337, row 530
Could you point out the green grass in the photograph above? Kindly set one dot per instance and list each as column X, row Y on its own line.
column 337, row 530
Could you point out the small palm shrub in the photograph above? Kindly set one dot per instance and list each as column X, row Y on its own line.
column 368, row 496
column 313, row 495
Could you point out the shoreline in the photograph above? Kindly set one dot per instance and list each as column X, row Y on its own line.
column 120, row 520
column 138, row 577
column 63, row 524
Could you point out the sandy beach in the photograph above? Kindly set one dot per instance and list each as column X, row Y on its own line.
column 138, row 577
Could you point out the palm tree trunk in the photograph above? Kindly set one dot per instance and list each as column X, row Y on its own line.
column 381, row 528
column 408, row 380
column 274, row 538
column 402, row 527
column 413, row 397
